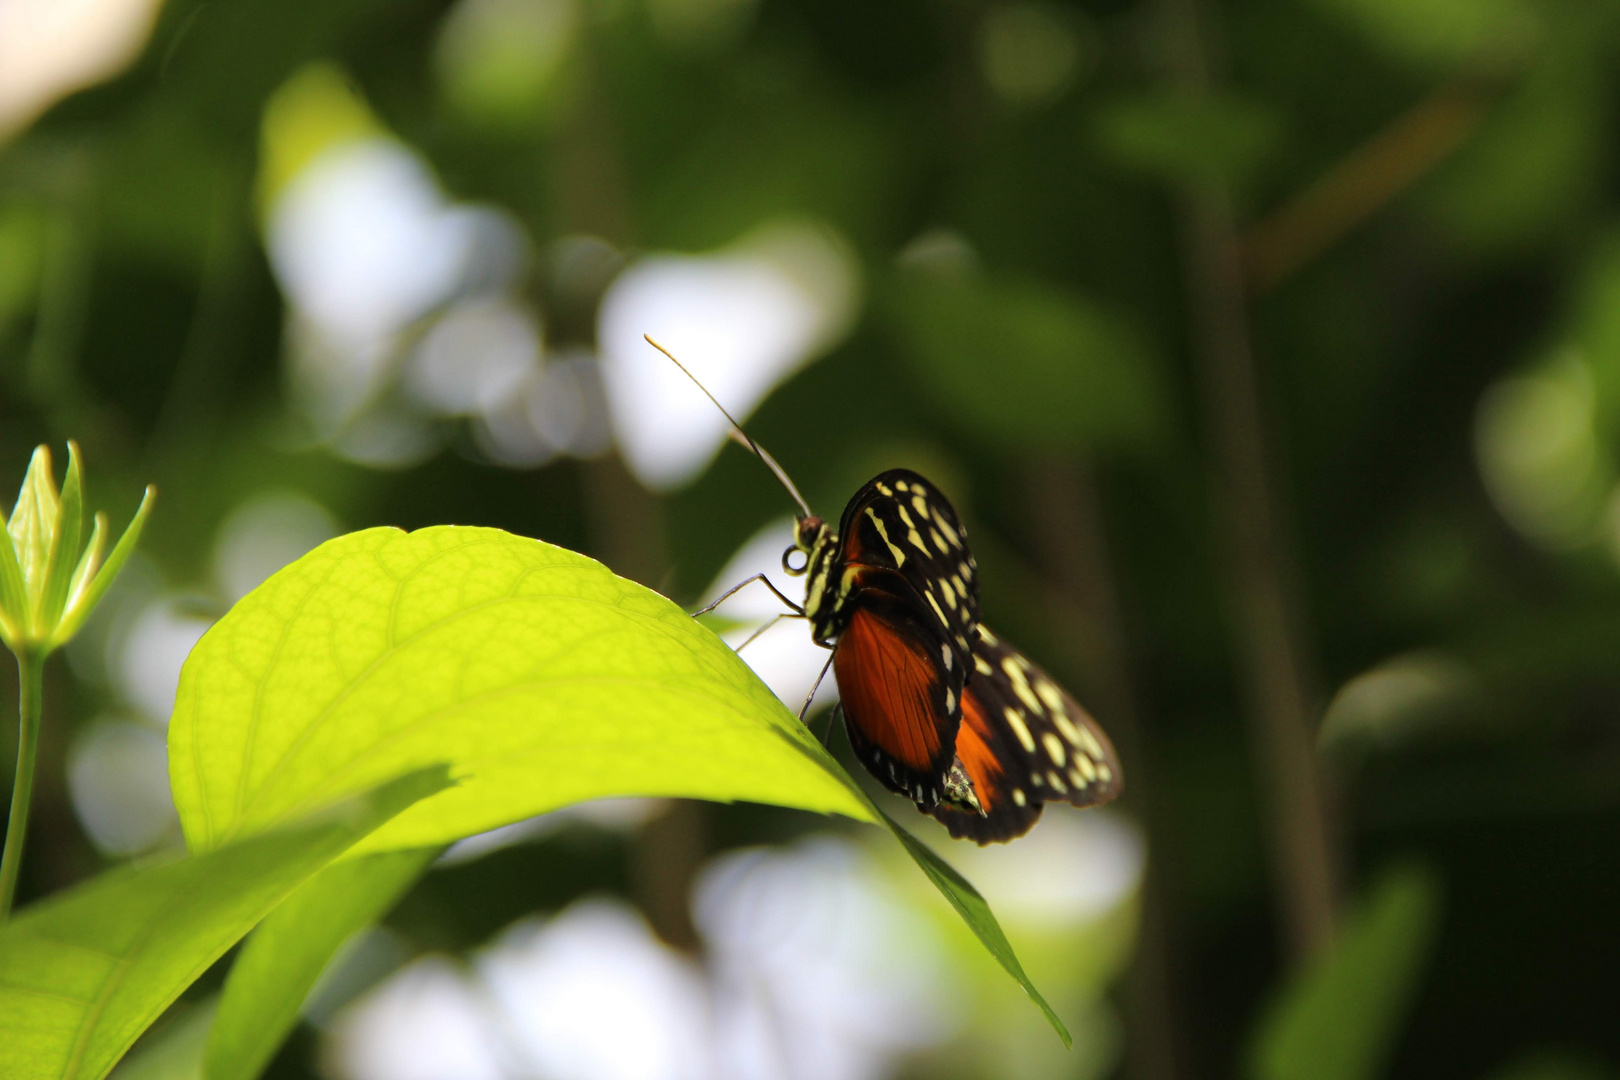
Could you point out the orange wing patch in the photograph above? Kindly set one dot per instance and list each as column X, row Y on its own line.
column 978, row 757
column 887, row 687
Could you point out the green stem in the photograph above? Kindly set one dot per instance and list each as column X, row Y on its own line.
column 30, row 671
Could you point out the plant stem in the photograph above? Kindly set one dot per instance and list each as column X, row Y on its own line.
column 30, row 683
column 1277, row 664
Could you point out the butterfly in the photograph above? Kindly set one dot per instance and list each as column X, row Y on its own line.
column 937, row 707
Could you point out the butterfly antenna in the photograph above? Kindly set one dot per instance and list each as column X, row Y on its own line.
column 737, row 431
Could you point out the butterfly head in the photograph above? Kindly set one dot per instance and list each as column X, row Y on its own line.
column 813, row 550
column 809, row 533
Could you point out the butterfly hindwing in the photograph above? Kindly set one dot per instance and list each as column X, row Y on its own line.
column 1024, row 741
column 902, row 523
column 901, row 692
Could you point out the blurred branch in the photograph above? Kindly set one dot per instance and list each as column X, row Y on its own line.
column 1261, row 578
column 1066, row 510
column 591, row 191
column 664, row 863
column 1366, row 181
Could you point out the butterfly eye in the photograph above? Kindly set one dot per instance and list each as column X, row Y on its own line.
column 792, row 566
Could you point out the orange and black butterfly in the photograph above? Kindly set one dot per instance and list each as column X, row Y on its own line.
column 937, row 707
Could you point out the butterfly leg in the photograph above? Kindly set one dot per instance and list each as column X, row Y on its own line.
column 729, row 593
column 774, row 620
column 811, row 696
column 833, row 716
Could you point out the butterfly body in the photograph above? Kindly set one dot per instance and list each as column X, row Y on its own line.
column 937, row 708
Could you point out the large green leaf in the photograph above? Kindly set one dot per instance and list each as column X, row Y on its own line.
column 84, row 973
column 289, row 950
column 540, row 676
column 1338, row 1019
column 174, row 1052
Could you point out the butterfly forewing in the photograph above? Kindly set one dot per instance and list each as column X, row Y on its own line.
column 1024, row 741
column 900, row 522
column 896, row 588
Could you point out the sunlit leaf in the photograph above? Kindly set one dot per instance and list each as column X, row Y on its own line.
column 539, row 675
column 174, row 1052
column 84, row 973
column 287, row 953
column 1339, row 1018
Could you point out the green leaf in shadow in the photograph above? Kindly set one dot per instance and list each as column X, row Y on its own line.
column 1338, row 1019
column 288, row 951
column 84, row 973
column 1026, row 364
column 977, row 914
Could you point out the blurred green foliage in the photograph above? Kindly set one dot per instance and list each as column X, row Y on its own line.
column 1339, row 1017
column 1438, row 376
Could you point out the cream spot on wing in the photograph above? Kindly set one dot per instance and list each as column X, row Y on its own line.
column 1093, row 747
column 957, row 581
column 901, row 485
column 950, row 594
column 945, row 527
column 945, row 652
column 1057, row 783
column 939, row 541
column 916, row 542
column 920, row 503
column 962, row 568
column 1104, row 773
column 1049, row 694
column 1066, row 726
column 950, row 700
column 1015, row 720
column 1076, row 779
column 1020, row 684
column 1054, row 748
column 1037, row 780
column 987, row 637
column 885, row 489
column 905, row 517
column 935, row 605
column 1018, row 796
column 894, row 549
column 1086, row 767
column 982, row 665
column 962, row 642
